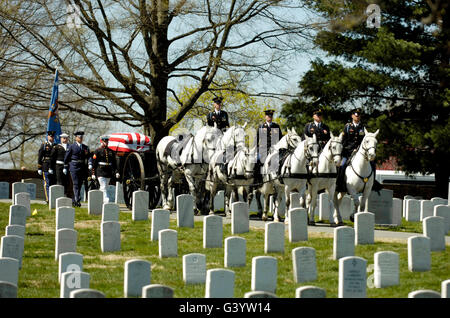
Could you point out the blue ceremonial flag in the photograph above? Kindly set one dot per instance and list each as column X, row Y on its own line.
column 53, row 120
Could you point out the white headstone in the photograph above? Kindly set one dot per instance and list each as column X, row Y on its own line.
column 110, row 212
column 424, row 293
column 419, row 254
column 140, row 206
column 31, row 189
column 73, row 280
column 259, row 294
column 15, row 229
column 185, row 210
column 56, row 191
column 110, row 193
column 364, row 228
column 212, row 231
column 160, row 221
column 23, row 198
column 397, row 211
column 324, row 207
column 295, row 200
column 344, row 242
column 444, row 212
column 137, row 275
column 65, row 218
column 219, row 200
column 352, row 277
column 426, row 209
column 4, row 190
column 439, row 201
column 66, row 241
column 69, row 262
column 298, row 225
column 9, row 270
column 346, row 207
column 304, row 264
column 119, row 194
column 310, row 292
column 95, row 202
column 17, row 187
column 63, row 201
column 412, row 210
column 18, row 215
column 12, row 246
column 235, row 251
column 239, row 218
column 157, row 291
column 445, row 289
column 86, row 293
column 194, row 268
column 168, row 243
column 386, row 269
column 433, row 227
column 264, row 274
column 219, row 283
column 8, row 290
column 381, row 206
column 274, row 237
column 110, row 236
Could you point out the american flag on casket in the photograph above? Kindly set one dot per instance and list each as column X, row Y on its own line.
column 129, row 142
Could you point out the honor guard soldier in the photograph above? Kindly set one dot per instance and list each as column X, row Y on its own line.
column 104, row 166
column 76, row 157
column 45, row 168
column 218, row 116
column 268, row 134
column 318, row 128
column 57, row 155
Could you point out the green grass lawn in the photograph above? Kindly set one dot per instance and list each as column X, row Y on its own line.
column 39, row 274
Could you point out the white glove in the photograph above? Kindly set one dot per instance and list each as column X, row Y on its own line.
column 65, row 171
column 93, row 177
column 50, row 171
column 90, row 167
column 40, row 172
column 117, row 175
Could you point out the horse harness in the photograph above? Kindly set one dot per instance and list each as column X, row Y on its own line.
column 364, row 179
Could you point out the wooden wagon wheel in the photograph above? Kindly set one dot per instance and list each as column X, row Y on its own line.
column 133, row 177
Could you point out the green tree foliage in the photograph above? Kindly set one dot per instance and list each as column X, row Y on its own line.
column 397, row 73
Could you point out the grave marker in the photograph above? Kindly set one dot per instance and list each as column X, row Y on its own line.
column 95, row 202
column 56, row 191
column 63, row 201
column 419, row 254
column 344, row 242
column 310, row 292
column 298, row 225
column 110, row 212
column 66, row 241
column 264, row 274
column 235, row 251
column 194, row 268
column 397, row 211
column 17, row 187
column 86, row 293
column 274, row 237
column 304, row 264
column 137, row 275
column 426, row 209
column 65, row 218
column 259, row 294
column 219, row 283
column 119, row 193
column 9, row 270
column 68, row 259
column 4, row 190
column 352, row 277
column 364, row 228
column 110, row 236
column 73, row 280
column 239, row 218
column 160, row 221
column 140, row 206
column 185, row 210
column 424, row 293
column 23, row 198
column 386, row 269
column 443, row 211
column 212, row 231
column 12, row 246
column 8, row 290
column 15, row 229
column 17, row 215
column 433, row 227
column 157, row 291
column 168, row 243
column 381, row 206
column 412, row 210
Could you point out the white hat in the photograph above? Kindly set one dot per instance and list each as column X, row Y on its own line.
column 64, row 135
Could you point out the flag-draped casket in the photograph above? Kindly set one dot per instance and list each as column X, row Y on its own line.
column 129, row 142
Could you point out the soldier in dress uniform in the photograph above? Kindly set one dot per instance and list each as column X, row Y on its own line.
column 268, row 134
column 218, row 116
column 76, row 157
column 104, row 165
column 58, row 153
column 45, row 168
column 317, row 127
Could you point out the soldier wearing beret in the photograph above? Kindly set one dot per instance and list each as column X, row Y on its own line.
column 218, row 116
column 104, row 167
column 45, row 168
column 317, row 127
column 57, row 157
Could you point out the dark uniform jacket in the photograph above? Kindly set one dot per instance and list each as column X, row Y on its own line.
column 76, row 156
column 103, row 162
column 44, row 156
column 322, row 133
column 353, row 135
column 272, row 130
column 58, row 153
column 221, row 119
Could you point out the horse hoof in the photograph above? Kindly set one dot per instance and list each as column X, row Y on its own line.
column 311, row 223
column 264, row 217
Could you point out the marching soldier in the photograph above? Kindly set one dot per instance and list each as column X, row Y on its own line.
column 104, row 167
column 218, row 116
column 58, row 153
column 45, row 168
column 77, row 155
column 268, row 134
column 319, row 128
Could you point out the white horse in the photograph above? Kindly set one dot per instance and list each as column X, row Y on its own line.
column 324, row 177
column 359, row 174
column 291, row 177
column 191, row 161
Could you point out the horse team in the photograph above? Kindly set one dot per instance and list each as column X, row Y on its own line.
column 212, row 160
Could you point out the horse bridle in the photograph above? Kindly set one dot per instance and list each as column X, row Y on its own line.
column 331, row 150
column 307, row 153
column 244, row 165
column 366, row 150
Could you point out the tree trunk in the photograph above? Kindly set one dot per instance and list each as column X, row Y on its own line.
column 442, row 173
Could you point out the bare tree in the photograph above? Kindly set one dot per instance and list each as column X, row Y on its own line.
column 124, row 59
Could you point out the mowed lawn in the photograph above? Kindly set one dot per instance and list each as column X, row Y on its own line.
column 39, row 274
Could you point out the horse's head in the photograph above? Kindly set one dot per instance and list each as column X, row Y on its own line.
column 210, row 138
column 250, row 161
column 289, row 141
column 336, row 148
column 312, row 150
column 369, row 144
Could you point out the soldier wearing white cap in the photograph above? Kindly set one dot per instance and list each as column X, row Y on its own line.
column 57, row 157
